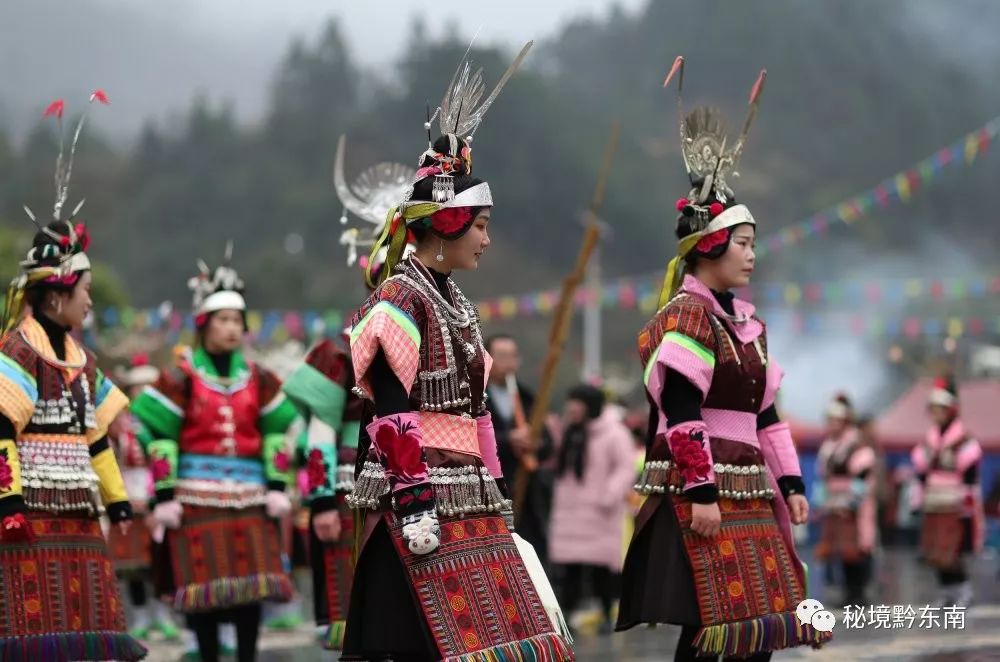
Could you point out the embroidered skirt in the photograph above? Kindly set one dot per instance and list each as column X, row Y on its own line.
column 333, row 573
column 839, row 537
column 60, row 597
column 221, row 558
column 471, row 600
column 130, row 551
column 944, row 538
column 740, row 587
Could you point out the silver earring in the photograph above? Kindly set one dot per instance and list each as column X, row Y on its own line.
column 440, row 255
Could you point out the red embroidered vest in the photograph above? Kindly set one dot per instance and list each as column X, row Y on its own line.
column 221, row 420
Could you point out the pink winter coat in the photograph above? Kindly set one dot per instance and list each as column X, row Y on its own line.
column 588, row 516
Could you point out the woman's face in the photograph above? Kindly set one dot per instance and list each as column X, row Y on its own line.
column 734, row 268
column 71, row 308
column 835, row 426
column 464, row 252
column 940, row 415
column 224, row 331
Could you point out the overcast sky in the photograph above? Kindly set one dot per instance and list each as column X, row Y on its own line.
column 154, row 57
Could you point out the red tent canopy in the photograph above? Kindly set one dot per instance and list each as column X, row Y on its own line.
column 905, row 423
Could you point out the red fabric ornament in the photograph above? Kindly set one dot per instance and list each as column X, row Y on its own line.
column 421, row 494
column 401, row 444
column 140, row 360
column 715, row 209
column 55, row 108
column 316, row 469
column 16, row 528
column 688, row 450
column 64, row 241
column 681, row 204
column 99, row 95
column 82, row 236
column 160, row 468
column 281, row 461
column 710, row 241
column 451, row 219
column 6, row 473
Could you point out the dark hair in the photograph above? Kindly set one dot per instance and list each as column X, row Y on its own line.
column 591, row 396
column 498, row 336
column 844, row 400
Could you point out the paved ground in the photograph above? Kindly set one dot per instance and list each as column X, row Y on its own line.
column 899, row 581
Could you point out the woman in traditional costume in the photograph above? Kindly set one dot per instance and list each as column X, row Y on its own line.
column 131, row 551
column 58, row 473
column 439, row 574
column 949, row 495
column 846, row 466
column 713, row 549
column 216, row 423
column 322, row 388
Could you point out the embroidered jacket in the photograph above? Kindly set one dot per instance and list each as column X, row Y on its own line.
column 435, row 349
column 60, row 459
column 322, row 390
column 216, row 441
column 727, row 361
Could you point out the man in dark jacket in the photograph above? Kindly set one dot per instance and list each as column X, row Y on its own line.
column 511, row 406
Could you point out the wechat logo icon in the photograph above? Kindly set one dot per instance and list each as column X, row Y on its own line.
column 811, row 612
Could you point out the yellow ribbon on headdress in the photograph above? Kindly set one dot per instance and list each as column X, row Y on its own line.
column 395, row 238
column 675, row 268
column 14, row 301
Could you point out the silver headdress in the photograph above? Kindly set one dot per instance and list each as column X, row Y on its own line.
column 460, row 114
column 704, row 140
column 218, row 290
column 373, row 193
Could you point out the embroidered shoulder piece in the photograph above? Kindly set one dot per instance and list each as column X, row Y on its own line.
column 392, row 319
column 18, row 380
column 161, row 406
column 685, row 316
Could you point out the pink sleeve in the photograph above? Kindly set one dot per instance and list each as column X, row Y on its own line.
column 778, row 449
column 387, row 328
column 861, row 460
column 919, row 459
column 685, row 355
column 773, row 378
column 488, row 444
column 968, row 455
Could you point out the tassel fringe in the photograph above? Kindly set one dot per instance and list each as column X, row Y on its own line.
column 542, row 648
column 770, row 632
column 333, row 640
column 232, row 591
column 104, row 645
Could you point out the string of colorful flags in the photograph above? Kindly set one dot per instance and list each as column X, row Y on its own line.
column 642, row 292
column 281, row 328
column 897, row 188
column 277, row 326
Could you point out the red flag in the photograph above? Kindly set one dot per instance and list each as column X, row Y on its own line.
column 678, row 64
column 55, row 108
column 99, row 95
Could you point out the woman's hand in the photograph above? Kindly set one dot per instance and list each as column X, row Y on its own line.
column 706, row 519
column 798, row 508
